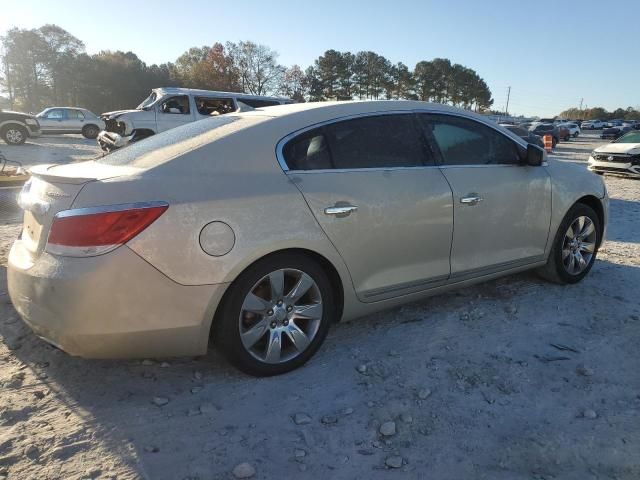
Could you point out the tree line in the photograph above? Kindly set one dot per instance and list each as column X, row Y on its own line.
column 49, row 66
column 599, row 113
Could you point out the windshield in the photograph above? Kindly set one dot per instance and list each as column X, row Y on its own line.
column 631, row 137
column 147, row 101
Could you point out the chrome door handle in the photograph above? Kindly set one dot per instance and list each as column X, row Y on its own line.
column 340, row 210
column 473, row 199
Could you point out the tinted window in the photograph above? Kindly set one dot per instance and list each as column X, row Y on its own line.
column 258, row 103
column 466, row 142
column 307, row 151
column 376, row 142
column 519, row 131
column 55, row 114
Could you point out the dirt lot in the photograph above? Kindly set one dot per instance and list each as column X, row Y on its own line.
column 513, row 379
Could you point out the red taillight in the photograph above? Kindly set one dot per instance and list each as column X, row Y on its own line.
column 96, row 230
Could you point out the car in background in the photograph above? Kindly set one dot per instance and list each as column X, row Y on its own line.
column 261, row 229
column 169, row 107
column 622, row 156
column 592, row 125
column 635, row 124
column 557, row 133
column 614, row 132
column 16, row 127
column 574, row 128
column 526, row 135
column 70, row 120
column 616, row 122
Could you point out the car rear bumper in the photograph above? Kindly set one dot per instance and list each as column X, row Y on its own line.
column 110, row 306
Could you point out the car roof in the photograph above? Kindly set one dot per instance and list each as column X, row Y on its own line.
column 194, row 91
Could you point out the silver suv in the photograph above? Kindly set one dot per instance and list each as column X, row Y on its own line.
column 167, row 108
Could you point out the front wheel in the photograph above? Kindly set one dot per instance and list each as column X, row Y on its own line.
column 14, row 134
column 276, row 315
column 575, row 135
column 575, row 246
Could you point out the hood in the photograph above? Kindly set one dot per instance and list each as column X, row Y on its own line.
column 17, row 114
column 631, row 148
column 118, row 113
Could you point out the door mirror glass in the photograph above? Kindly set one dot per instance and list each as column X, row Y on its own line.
column 535, row 155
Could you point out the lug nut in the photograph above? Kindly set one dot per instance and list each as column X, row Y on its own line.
column 270, row 312
column 289, row 308
column 273, row 324
column 285, row 323
column 279, row 303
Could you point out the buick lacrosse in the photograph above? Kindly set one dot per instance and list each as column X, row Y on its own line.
column 258, row 230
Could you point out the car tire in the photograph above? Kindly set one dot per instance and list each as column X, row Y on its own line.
column 575, row 135
column 560, row 267
column 90, row 131
column 264, row 326
column 554, row 142
column 14, row 134
column 567, row 138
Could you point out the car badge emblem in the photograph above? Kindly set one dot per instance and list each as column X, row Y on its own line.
column 610, row 158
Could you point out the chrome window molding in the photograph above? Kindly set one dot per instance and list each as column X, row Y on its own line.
column 75, row 212
column 284, row 140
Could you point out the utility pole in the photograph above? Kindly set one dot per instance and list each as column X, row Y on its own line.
column 581, row 100
column 506, row 109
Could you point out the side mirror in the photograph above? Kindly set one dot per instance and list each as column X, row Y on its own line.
column 535, row 155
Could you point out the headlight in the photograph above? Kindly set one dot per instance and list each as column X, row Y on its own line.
column 31, row 121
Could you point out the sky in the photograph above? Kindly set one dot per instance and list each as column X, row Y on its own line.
column 553, row 54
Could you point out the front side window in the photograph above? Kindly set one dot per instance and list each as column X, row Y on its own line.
column 462, row 141
column 178, row 105
column 214, row 106
column 55, row 114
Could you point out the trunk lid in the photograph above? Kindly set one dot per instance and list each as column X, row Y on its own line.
column 53, row 188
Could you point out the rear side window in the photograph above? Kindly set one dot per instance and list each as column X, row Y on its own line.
column 214, row 106
column 463, row 141
column 384, row 141
column 75, row 114
column 308, row 151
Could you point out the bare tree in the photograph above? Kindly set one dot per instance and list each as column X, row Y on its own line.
column 257, row 67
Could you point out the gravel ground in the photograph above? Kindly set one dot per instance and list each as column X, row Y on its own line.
column 512, row 379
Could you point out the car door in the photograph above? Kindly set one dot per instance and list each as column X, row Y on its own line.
column 502, row 208
column 173, row 112
column 380, row 199
column 74, row 121
column 52, row 121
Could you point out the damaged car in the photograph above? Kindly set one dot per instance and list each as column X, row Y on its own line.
column 167, row 108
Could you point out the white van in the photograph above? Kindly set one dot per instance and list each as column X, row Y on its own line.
column 169, row 107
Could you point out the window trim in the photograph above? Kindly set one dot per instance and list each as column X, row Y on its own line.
column 428, row 142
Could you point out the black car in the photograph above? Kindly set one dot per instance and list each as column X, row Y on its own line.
column 548, row 129
column 16, row 127
column 615, row 132
column 526, row 135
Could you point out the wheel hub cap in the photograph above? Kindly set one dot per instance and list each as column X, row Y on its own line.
column 579, row 245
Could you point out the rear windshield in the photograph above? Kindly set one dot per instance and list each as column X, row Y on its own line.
column 161, row 148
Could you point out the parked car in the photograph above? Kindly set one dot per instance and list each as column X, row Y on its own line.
column 616, row 122
column 592, row 125
column 574, row 129
column 526, row 135
column 167, row 108
column 16, row 127
column 263, row 228
column 557, row 133
column 614, row 132
column 621, row 156
column 70, row 120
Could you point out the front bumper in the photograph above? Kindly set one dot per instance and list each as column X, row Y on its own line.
column 34, row 131
column 110, row 306
column 626, row 169
column 109, row 141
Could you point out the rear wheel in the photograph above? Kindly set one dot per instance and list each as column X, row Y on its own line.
column 575, row 135
column 575, row 246
column 90, row 131
column 554, row 142
column 276, row 315
column 14, row 134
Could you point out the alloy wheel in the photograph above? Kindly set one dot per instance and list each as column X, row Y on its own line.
column 280, row 316
column 579, row 245
column 14, row 135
